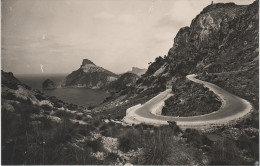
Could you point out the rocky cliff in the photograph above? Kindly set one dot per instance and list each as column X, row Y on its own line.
column 223, row 37
column 89, row 75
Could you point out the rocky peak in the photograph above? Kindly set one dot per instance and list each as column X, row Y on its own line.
column 217, row 6
column 86, row 61
column 89, row 66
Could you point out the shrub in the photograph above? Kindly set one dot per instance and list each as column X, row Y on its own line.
column 129, row 140
column 106, row 125
column 11, row 96
column 110, row 130
column 63, row 114
column 252, row 146
column 64, row 132
column 225, row 152
column 196, row 138
column 84, row 132
column 157, row 148
column 111, row 158
column 45, row 122
column 46, row 107
column 95, row 145
column 173, row 125
column 25, row 110
column 40, row 97
column 91, row 107
column 163, row 147
column 79, row 117
column 144, row 126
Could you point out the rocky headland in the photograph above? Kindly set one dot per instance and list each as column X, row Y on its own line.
column 89, row 76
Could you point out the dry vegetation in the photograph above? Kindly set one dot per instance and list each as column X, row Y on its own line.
column 190, row 99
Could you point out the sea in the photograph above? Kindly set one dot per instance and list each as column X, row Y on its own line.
column 80, row 96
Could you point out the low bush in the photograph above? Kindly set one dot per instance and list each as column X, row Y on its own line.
column 95, row 145
column 64, row 132
column 129, row 139
column 63, row 114
column 111, row 158
column 249, row 144
column 196, row 138
column 46, row 107
column 224, row 152
column 40, row 97
column 164, row 147
column 174, row 127
column 79, row 117
column 110, row 130
column 84, row 131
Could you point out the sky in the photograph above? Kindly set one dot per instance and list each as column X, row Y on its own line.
column 54, row 36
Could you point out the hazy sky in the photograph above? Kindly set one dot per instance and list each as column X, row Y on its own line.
column 53, row 36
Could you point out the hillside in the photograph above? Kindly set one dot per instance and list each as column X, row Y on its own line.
column 123, row 82
column 38, row 129
column 221, row 47
column 221, row 41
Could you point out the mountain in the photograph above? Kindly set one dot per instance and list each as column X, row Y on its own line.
column 137, row 71
column 222, row 39
column 220, row 46
column 89, row 75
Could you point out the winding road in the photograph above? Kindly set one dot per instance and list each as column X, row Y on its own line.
column 233, row 108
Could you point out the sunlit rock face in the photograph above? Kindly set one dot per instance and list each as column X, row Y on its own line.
column 89, row 75
column 137, row 71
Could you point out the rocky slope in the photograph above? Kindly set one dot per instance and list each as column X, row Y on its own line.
column 123, row 82
column 42, row 130
column 89, row 75
column 38, row 129
column 223, row 37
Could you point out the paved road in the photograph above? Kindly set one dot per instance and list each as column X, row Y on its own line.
column 233, row 108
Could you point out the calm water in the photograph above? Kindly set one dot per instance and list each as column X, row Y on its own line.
column 79, row 96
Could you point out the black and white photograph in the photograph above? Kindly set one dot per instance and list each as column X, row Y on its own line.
column 130, row 82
